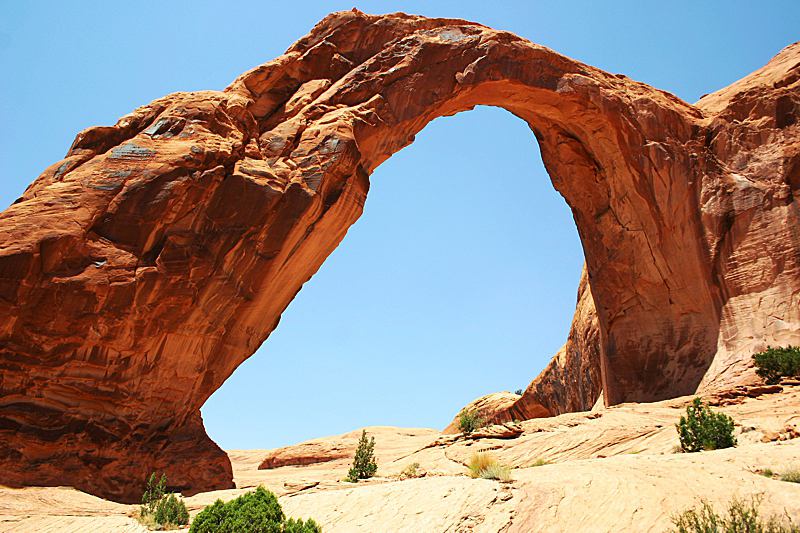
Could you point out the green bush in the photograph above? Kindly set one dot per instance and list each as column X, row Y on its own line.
column 292, row 526
column 775, row 363
column 171, row 511
column 253, row 512
column 469, row 420
column 364, row 463
column 703, row 429
column 742, row 517
column 159, row 509
column 153, row 492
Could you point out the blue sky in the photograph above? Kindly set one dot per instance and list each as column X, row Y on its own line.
column 460, row 278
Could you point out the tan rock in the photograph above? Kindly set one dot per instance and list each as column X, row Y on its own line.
column 623, row 492
column 137, row 273
column 498, row 431
column 308, row 453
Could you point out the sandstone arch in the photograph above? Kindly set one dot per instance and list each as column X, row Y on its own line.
column 139, row 271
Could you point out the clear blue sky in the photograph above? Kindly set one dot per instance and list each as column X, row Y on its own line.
column 460, row 278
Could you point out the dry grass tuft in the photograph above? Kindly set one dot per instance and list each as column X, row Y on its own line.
column 485, row 466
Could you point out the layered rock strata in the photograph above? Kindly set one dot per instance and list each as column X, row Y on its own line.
column 137, row 273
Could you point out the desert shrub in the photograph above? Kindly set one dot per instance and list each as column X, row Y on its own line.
column 478, row 462
column 742, row 517
column 153, row 492
column 170, row 511
column 540, row 462
column 160, row 509
column 253, row 512
column 775, row 363
column 703, row 429
column 410, row 470
column 469, row 420
column 791, row 474
column 518, row 392
column 767, row 472
column 364, row 462
column 292, row 526
column 485, row 466
column 497, row 471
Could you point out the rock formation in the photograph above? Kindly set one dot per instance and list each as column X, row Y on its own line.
column 604, row 472
column 493, row 409
column 139, row 271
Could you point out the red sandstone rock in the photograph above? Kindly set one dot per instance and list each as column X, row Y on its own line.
column 140, row 271
column 493, row 409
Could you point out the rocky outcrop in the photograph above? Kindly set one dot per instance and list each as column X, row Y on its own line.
column 308, row 453
column 493, row 409
column 139, row 271
column 571, row 382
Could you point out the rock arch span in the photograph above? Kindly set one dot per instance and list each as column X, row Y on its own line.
column 139, row 271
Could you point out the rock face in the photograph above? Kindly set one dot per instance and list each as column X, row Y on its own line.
column 139, row 271
column 494, row 409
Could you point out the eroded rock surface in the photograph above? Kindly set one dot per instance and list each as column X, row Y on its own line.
column 137, row 273
column 609, row 471
column 493, row 409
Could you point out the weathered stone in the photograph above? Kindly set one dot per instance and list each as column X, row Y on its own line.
column 140, row 271
column 572, row 491
column 307, row 453
column 492, row 408
column 498, row 431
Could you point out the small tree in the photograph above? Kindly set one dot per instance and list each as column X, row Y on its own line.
column 703, row 429
column 775, row 363
column 153, row 493
column 159, row 508
column 364, row 463
column 469, row 420
column 171, row 511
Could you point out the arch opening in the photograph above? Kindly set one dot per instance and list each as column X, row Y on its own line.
column 457, row 281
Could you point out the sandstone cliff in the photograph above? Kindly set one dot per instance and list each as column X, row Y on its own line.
column 139, row 271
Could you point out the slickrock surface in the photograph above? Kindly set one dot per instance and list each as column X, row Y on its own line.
column 612, row 470
column 139, row 271
column 391, row 444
